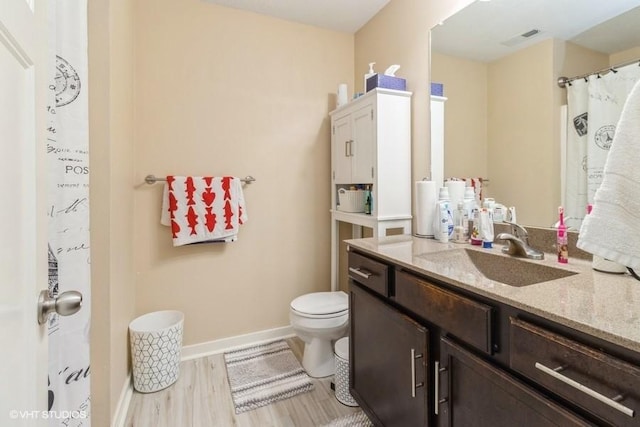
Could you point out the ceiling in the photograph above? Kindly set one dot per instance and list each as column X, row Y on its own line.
column 339, row 15
column 488, row 30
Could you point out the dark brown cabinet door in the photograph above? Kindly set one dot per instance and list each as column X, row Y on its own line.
column 388, row 358
column 474, row 393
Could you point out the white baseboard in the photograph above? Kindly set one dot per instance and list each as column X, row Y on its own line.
column 120, row 415
column 226, row 344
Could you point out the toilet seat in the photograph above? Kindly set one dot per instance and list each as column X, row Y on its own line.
column 321, row 305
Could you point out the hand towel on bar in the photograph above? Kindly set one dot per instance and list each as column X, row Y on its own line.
column 203, row 209
column 612, row 229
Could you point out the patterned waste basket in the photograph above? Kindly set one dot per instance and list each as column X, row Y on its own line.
column 156, row 344
column 342, row 372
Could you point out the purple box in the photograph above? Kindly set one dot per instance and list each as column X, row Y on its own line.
column 437, row 89
column 386, row 82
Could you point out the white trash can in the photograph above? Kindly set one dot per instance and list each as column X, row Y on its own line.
column 342, row 372
column 156, row 344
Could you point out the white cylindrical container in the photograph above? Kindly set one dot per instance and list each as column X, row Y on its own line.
column 425, row 193
column 342, row 94
column 342, row 372
column 456, row 192
column 156, row 344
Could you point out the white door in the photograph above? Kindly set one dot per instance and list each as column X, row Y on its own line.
column 363, row 146
column 23, row 249
column 341, row 141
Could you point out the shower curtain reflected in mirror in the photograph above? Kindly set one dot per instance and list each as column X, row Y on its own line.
column 594, row 105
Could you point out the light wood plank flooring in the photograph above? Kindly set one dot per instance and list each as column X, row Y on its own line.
column 201, row 398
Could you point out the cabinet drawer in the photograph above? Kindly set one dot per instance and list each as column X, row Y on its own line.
column 466, row 319
column 372, row 274
column 602, row 385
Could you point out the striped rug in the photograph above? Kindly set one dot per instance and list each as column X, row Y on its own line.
column 264, row 374
column 357, row 419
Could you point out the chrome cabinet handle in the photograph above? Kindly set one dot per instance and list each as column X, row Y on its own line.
column 348, row 149
column 65, row 304
column 437, row 400
column 414, row 385
column 555, row 373
column 362, row 273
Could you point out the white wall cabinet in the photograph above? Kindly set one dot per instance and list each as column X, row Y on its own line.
column 371, row 145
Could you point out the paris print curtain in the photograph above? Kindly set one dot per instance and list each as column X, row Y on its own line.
column 594, row 105
column 68, row 211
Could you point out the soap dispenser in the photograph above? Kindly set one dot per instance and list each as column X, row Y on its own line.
column 370, row 73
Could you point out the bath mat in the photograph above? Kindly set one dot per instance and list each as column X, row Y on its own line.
column 264, row 374
column 357, row 419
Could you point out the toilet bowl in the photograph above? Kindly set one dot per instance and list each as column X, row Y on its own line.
column 319, row 319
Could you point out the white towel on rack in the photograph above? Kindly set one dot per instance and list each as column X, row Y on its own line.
column 612, row 229
column 203, row 209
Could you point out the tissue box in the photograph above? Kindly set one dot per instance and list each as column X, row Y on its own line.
column 437, row 89
column 386, row 82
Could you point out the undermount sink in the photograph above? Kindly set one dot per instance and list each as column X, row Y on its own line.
column 507, row 270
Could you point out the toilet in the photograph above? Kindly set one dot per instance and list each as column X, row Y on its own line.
column 319, row 319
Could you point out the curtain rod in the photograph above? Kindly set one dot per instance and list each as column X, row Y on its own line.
column 564, row 81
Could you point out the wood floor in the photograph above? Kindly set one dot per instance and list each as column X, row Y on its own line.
column 201, row 398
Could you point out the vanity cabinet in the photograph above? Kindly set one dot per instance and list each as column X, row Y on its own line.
column 371, row 146
column 425, row 352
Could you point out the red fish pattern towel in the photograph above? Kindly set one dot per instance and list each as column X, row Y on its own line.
column 203, row 208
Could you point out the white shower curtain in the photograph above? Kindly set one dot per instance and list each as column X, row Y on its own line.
column 68, row 210
column 594, row 106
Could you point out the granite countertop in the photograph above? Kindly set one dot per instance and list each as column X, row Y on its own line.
column 604, row 305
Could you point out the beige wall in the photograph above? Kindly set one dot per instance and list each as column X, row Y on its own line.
column 626, row 55
column 466, row 109
column 111, row 159
column 223, row 91
column 523, row 161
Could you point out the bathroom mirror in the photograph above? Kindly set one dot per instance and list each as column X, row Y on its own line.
column 499, row 61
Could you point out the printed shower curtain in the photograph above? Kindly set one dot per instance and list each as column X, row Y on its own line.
column 594, row 105
column 68, row 211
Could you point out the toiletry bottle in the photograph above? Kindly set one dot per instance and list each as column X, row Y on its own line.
column 469, row 201
column 444, row 226
column 461, row 228
column 486, row 228
column 367, row 200
column 561, row 239
column 367, row 75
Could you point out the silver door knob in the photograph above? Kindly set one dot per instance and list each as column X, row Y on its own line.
column 65, row 304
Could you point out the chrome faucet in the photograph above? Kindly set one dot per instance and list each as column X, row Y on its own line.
column 518, row 243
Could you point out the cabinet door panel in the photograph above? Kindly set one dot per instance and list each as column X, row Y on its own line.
column 363, row 146
column 340, row 150
column 475, row 393
column 383, row 379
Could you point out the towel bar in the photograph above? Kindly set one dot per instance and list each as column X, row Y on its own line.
column 152, row 179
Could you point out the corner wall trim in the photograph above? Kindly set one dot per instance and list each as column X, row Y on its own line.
column 225, row 344
column 120, row 415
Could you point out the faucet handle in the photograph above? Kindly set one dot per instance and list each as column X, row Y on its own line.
column 519, row 231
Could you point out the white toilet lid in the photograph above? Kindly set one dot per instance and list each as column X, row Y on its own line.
column 321, row 303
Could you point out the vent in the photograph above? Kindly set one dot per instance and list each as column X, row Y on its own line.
column 520, row 38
